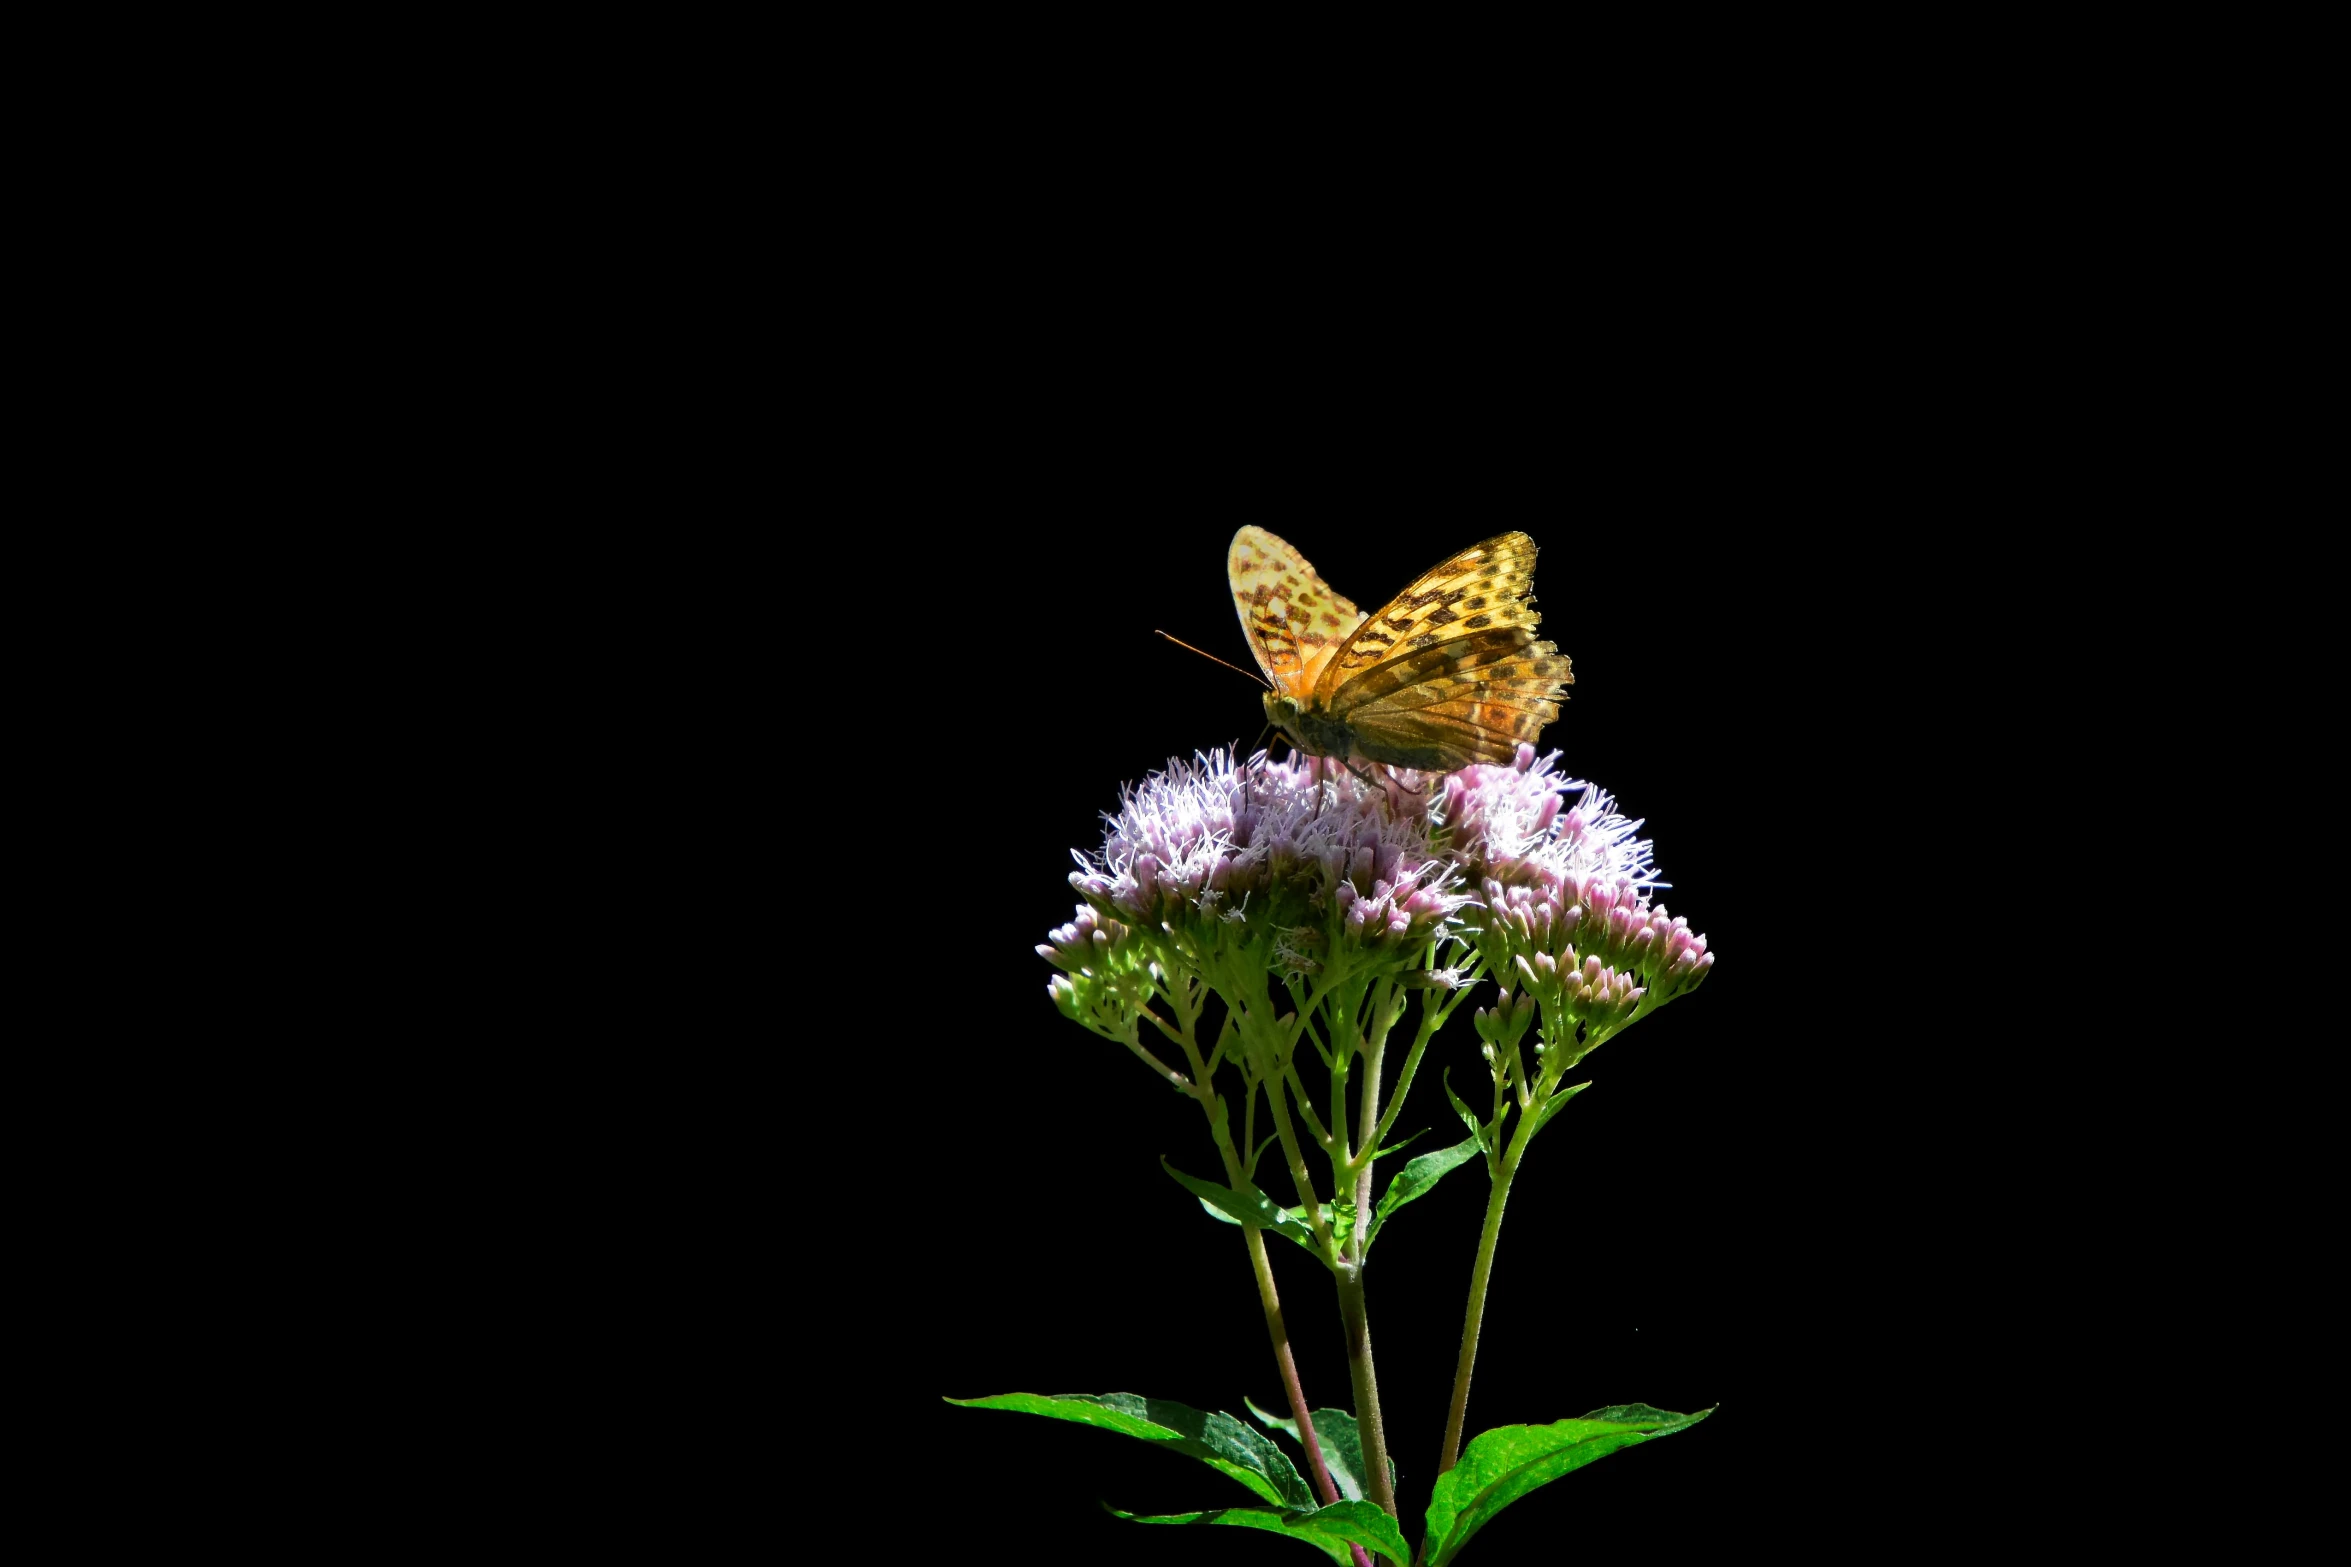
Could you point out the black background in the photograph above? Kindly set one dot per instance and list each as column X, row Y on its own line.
column 1692, row 1233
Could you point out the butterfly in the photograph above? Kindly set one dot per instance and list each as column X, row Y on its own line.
column 1447, row 673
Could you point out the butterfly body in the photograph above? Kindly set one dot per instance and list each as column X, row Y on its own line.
column 1317, row 733
column 1447, row 673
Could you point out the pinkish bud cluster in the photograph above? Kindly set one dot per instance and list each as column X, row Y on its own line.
column 1507, row 1018
column 1564, row 892
column 1082, row 944
column 1580, row 919
column 1106, row 976
column 1590, row 993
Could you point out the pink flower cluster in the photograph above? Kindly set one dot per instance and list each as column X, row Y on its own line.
column 1564, row 906
column 1513, row 824
column 1318, row 855
column 1301, row 843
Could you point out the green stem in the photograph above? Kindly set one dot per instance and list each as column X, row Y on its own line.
column 1368, row 1424
column 1374, row 1053
column 1285, row 1363
column 1481, row 1274
column 1432, row 1018
column 1279, row 1103
column 1279, row 1331
column 1349, row 1273
column 1322, row 1138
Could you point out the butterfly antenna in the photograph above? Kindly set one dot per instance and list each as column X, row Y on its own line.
column 1213, row 659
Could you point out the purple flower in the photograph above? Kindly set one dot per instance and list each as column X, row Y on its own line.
column 1289, row 845
column 1564, row 892
column 1213, row 871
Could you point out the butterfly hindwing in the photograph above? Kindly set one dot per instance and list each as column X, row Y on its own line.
column 1504, row 654
column 1293, row 619
column 1467, row 713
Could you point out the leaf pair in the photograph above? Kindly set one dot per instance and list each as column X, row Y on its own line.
column 1486, row 1136
column 1254, row 1207
column 1237, row 1451
column 1497, row 1468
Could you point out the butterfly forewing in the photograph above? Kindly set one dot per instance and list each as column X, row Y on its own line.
column 1481, row 588
column 1293, row 619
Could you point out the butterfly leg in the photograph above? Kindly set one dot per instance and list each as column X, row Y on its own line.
column 1316, row 767
column 1255, row 746
column 1366, row 779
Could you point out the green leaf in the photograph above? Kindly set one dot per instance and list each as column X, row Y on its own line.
column 1502, row 1465
column 1217, row 1440
column 1342, row 1447
column 1415, row 1179
column 1330, row 1530
column 1283, row 1424
column 1467, row 1118
column 1479, row 1133
column 1400, row 1147
column 1341, row 1220
column 1558, row 1102
column 1250, row 1207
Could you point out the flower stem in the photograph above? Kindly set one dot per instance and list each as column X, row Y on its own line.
column 1352, row 1311
column 1368, row 1424
column 1348, row 1271
column 1317, row 1470
column 1261, row 1266
column 1481, row 1273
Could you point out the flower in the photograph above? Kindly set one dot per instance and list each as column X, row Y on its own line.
column 1564, row 890
column 1513, row 824
column 1306, row 853
column 1233, row 875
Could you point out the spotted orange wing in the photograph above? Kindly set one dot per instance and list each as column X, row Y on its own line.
column 1294, row 620
column 1449, row 672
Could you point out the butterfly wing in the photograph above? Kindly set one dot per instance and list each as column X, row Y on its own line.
column 1293, row 619
column 1449, row 672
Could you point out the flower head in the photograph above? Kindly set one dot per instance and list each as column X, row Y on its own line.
column 1514, row 824
column 1232, row 875
column 1564, row 906
column 1310, row 854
